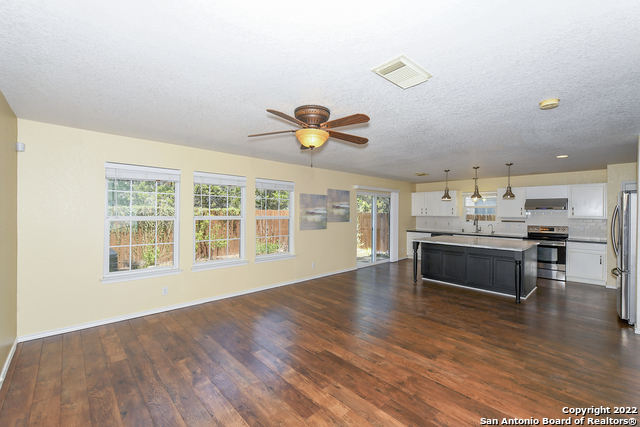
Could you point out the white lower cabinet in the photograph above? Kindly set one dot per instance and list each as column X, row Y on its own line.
column 411, row 236
column 587, row 263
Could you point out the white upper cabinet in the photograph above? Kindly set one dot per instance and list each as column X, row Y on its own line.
column 431, row 204
column 512, row 208
column 547, row 192
column 588, row 201
column 423, row 204
column 417, row 204
column 447, row 208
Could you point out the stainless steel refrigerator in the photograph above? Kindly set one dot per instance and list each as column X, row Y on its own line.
column 623, row 238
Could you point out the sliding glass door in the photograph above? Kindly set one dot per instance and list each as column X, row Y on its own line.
column 373, row 228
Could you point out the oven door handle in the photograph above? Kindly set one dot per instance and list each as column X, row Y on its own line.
column 552, row 244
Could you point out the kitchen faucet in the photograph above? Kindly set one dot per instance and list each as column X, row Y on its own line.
column 475, row 222
column 491, row 225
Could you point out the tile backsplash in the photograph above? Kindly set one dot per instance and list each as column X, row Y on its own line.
column 593, row 228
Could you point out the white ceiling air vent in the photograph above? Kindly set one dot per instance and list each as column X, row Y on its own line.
column 402, row 72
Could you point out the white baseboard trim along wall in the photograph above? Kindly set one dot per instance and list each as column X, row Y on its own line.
column 5, row 368
column 160, row 310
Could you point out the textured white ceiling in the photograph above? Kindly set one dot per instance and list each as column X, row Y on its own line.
column 202, row 74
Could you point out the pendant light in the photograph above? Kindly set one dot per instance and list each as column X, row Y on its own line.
column 446, row 197
column 509, row 194
column 476, row 194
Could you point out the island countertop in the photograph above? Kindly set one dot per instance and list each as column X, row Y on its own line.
column 481, row 242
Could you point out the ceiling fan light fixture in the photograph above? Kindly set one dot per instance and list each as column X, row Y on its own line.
column 312, row 138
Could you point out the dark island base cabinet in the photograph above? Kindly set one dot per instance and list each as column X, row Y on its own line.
column 487, row 269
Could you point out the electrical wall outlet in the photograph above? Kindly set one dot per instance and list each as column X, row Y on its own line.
column 165, row 291
column 313, row 265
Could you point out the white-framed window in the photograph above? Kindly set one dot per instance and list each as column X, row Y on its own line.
column 483, row 209
column 218, row 220
column 274, row 201
column 141, row 222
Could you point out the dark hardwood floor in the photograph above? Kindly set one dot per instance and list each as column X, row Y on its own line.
column 354, row 349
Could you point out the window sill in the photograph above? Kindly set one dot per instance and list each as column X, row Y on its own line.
column 212, row 265
column 275, row 257
column 141, row 274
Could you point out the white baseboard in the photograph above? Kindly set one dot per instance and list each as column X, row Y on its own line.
column 586, row 280
column 7, row 362
column 167, row 308
column 612, row 287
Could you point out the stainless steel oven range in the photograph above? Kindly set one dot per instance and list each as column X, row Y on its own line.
column 552, row 250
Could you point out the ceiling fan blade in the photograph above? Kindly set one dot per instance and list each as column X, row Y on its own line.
column 272, row 133
column 288, row 117
column 346, row 121
column 347, row 137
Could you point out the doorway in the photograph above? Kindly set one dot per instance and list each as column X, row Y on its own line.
column 373, row 224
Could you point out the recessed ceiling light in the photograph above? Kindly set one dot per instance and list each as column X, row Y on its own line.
column 548, row 104
column 421, row 174
column 562, row 156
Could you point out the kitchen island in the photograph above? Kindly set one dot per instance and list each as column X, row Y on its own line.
column 504, row 266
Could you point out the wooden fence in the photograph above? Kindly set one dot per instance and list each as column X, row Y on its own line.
column 364, row 231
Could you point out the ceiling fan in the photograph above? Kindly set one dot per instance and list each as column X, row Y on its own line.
column 315, row 127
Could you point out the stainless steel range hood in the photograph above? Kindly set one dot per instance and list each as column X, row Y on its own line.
column 546, row 204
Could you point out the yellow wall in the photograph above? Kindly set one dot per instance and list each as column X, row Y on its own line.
column 61, row 229
column 8, row 228
column 615, row 175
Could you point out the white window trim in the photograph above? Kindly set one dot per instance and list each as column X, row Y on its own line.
column 219, row 179
column 273, row 257
column 134, row 172
column 270, row 184
column 213, row 265
column 125, row 276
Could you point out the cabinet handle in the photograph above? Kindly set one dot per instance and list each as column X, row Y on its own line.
column 600, row 259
